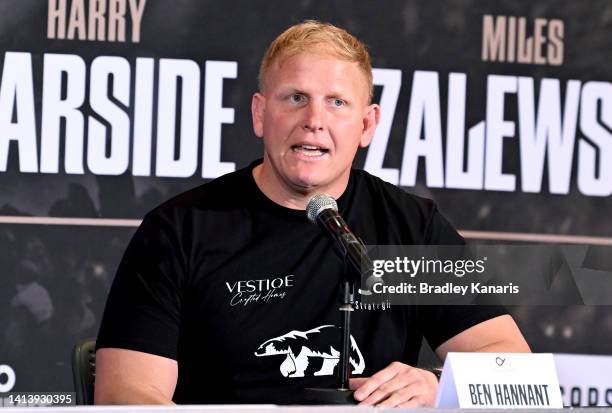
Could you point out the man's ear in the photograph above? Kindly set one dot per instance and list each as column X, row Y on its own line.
column 370, row 122
column 258, row 109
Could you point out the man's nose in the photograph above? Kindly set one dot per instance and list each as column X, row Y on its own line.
column 314, row 117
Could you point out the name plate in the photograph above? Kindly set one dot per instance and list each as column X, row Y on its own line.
column 585, row 379
column 494, row 380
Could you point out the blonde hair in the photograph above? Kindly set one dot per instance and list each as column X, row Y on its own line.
column 313, row 35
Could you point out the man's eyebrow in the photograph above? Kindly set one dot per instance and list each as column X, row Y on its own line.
column 338, row 94
column 289, row 90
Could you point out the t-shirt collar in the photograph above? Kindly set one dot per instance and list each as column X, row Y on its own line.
column 265, row 202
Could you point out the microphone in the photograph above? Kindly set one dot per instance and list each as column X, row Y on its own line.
column 322, row 210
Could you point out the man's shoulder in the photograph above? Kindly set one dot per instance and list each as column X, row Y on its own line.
column 406, row 218
column 222, row 193
column 384, row 192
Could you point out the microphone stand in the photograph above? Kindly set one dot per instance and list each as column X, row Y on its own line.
column 348, row 299
column 342, row 394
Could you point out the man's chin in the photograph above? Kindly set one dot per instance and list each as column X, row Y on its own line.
column 306, row 187
column 314, row 184
column 307, row 184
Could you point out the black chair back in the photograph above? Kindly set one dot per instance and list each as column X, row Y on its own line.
column 84, row 371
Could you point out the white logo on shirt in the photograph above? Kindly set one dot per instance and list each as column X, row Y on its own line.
column 300, row 351
column 264, row 290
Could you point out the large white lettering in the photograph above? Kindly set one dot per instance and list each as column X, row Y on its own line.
column 551, row 132
column 116, row 163
column 497, row 129
column 184, row 76
column 391, row 81
column 17, row 97
column 214, row 116
column 565, row 130
column 143, row 117
column 595, row 153
column 456, row 177
column 56, row 68
column 7, row 386
column 424, row 108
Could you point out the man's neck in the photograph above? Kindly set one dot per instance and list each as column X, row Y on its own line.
column 285, row 196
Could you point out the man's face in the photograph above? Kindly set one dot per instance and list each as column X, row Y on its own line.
column 313, row 114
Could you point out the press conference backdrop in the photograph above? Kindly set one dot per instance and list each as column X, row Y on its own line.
column 500, row 111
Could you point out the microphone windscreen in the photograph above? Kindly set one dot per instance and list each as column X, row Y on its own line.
column 319, row 203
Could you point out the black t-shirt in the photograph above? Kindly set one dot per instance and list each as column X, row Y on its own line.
column 244, row 293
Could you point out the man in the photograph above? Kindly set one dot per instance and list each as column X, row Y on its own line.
column 228, row 294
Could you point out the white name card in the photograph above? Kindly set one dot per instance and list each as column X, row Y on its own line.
column 494, row 380
column 585, row 380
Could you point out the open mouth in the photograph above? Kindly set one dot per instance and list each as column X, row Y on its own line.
column 309, row 150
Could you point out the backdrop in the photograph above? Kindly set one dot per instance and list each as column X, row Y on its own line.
column 499, row 111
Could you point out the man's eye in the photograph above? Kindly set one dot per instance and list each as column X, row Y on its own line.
column 297, row 98
column 338, row 102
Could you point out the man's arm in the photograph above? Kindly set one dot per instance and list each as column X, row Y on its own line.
column 133, row 377
column 499, row 334
column 401, row 385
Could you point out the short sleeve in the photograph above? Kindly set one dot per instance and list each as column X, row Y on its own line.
column 144, row 304
column 440, row 323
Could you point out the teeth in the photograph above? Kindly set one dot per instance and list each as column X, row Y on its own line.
column 309, row 150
